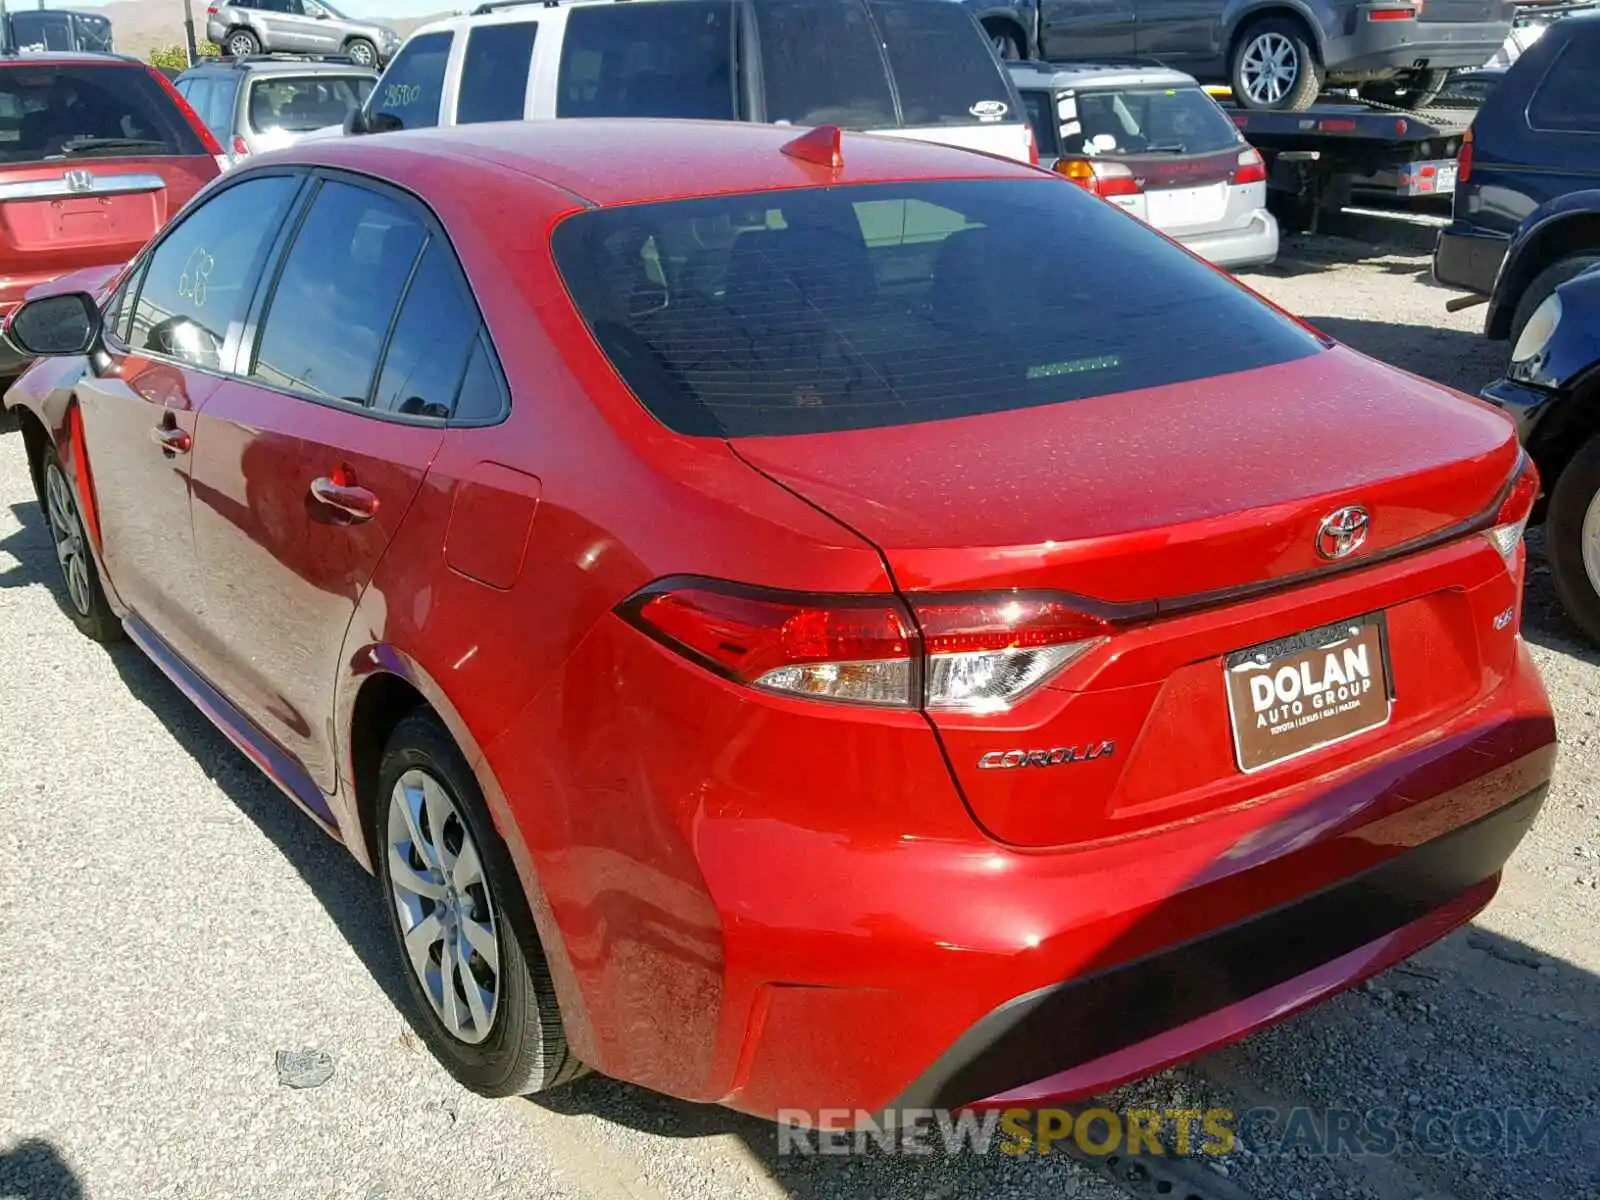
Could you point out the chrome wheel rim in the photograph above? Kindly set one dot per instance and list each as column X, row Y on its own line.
column 447, row 915
column 1002, row 45
column 240, row 46
column 66, row 531
column 1270, row 68
column 1591, row 542
column 361, row 55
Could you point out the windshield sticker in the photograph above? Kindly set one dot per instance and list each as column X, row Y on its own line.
column 1067, row 106
column 989, row 110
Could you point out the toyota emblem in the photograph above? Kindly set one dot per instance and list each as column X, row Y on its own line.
column 1343, row 531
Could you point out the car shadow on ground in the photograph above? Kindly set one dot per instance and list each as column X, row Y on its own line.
column 34, row 1169
column 1472, row 359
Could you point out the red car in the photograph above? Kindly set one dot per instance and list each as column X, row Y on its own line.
column 802, row 623
column 96, row 152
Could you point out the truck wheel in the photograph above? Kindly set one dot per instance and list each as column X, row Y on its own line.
column 1544, row 285
column 1007, row 46
column 1275, row 66
column 1572, row 538
column 1409, row 89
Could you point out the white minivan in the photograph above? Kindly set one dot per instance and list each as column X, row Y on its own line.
column 912, row 68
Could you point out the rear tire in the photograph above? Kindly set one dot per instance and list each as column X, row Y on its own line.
column 241, row 43
column 460, row 905
column 362, row 52
column 1543, row 287
column 1572, row 538
column 1408, row 90
column 1274, row 66
column 1007, row 46
column 86, row 600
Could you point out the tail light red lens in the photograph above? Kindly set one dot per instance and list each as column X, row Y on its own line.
column 1392, row 14
column 211, row 10
column 1033, row 148
column 1251, row 168
column 240, row 150
column 207, row 138
column 957, row 653
column 1100, row 178
column 1512, row 519
column 1464, row 158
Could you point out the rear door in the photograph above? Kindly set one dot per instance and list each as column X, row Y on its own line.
column 94, row 158
column 495, row 70
column 309, row 458
column 1077, row 30
column 1185, row 33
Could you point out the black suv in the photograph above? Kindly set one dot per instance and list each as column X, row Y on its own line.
column 1275, row 54
column 1527, row 203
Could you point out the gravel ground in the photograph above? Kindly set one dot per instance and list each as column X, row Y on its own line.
column 171, row 925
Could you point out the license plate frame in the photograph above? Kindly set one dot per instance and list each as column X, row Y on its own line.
column 1370, row 630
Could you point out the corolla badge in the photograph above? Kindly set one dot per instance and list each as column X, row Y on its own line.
column 1343, row 531
column 1006, row 760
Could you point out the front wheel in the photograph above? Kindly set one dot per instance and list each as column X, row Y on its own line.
column 1275, row 67
column 1572, row 538
column 484, row 1004
column 361, row 52
column 1409, row 89
column 1543, row 286
column 86, row 599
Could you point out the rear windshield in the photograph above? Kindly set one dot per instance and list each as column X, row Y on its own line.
column 84, row 111
column 815, row 310
column 1146, row 120
column 311, row 102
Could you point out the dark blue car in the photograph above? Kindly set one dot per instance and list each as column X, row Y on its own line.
column 1527, row 202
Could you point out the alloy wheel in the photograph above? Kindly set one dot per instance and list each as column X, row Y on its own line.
column 241, row 46
column 360, row 54
column 1591, row 542
column 1270, row 68
column 66, row 531
column 447, row 913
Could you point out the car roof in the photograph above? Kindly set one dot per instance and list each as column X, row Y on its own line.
column 69, row 58
column 516, row 10
column 614, row 161
column 282, row 66
column 1102, row 73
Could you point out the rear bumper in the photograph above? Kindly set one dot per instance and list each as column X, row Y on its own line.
column 1254, row 245
column 1395, row 45
column 1468, row 259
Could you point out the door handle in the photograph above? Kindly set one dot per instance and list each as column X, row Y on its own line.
column 171, row 439
column 353, row 501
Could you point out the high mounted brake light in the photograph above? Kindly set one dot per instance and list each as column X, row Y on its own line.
column 952, row 653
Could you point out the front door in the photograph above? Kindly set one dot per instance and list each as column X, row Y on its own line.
column 1086, row 29
column 174, row 318
column 299, row 483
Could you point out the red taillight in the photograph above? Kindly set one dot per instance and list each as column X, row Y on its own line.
column 959, row 653
column 1512, row 519
column 1391, row 14
column 1100, row 178
column 211, row 10
column 1336, row 125
column 207, row 138
column 1464, row 158
column 1252, row 168
column 1033, row 148
column 240, row 150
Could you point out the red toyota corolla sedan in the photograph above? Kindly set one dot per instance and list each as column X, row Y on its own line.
column 802, row 624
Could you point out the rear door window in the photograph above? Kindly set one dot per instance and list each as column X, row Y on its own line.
column 408, row 94
column 814, row 310
column 822, row 65
column 650, row 60
column 494, row 75
column 1041, row 110
column 944, row 71
column 337, row 293
column 436, row 331
column 1568, row 97
column 89, row 111
column 218, row 113
column 1126, row 122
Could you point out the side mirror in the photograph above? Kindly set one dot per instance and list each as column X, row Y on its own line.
column 57, row 326
column 355, row 121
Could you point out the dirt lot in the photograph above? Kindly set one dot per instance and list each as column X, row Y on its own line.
column 170, row 925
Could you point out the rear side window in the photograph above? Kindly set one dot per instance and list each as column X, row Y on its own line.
column 494, row 76
column 437, row 329
column 303, row 104
column 408, row 95
column 815, row 310
column 650, row 60
column 43, row 31
column 198, row 280
column 1041, row 110
column 83, row 112
column 944, row 71
column 822, row 65
column 1568, row 97
column 1120, row 122
column 337, row 293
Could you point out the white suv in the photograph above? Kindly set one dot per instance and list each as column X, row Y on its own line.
column 913, row 68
